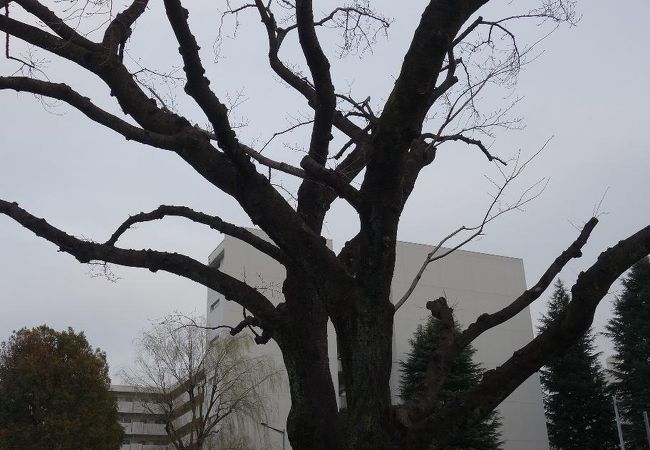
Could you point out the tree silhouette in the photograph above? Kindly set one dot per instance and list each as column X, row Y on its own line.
column 381, row 150
column 630, row 331
column 54, row 393
column 578, row 408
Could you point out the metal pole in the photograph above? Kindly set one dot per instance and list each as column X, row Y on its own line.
column 618, row 426
column 647, row 425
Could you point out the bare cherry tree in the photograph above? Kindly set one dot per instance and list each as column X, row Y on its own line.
column 208, row 391
column 454, row 56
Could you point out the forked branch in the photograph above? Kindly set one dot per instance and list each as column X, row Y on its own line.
column 213, row 222
column 55, row 23
column 488, row 321
column 589, row 289
column 119, row 30
column 311, row 171
column 178, row 264
column 276, row 36
column 198, row 86
column 65, row 93
column 494, row 210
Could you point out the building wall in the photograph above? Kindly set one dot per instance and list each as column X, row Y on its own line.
column 473, row 283
column 240, row 260
column 143, row 430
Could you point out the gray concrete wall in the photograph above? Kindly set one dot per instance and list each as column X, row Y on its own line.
column 472, row 282
column 244, row 262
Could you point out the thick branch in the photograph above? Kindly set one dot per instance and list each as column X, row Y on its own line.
column 181, row 265
column 450, row 79
column 400, row 123
column 324, row 89
column 131, row 98
column 589, row 289
column 175, row 143
column 310, row 195
column 276, row 36
column 440, row 361
column 321, row 197
column 213, row 222
column 198, row 86
column 311, row 171
column 119, row 30
column 488, row 321
column 66, row 94
column 238, row 178
column 40, row 38
column 411, row 97
column 56, row 24
column 334, row 179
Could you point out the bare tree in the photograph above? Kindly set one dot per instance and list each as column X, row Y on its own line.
column 208, row 392
column 454, row 56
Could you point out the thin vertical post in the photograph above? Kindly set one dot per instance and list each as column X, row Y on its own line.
column 618, row 425
column 647, row 425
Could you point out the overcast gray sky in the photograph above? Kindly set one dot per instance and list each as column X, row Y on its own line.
column 588, row 89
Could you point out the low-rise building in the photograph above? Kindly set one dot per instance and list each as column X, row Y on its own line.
column 144, row 428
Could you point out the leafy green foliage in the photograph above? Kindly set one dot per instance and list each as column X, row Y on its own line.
column 579, row 412
column 630, row 332
column 464, row 374
column 54, row 393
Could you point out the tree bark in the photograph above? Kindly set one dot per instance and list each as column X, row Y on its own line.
column 313, row 421
column 365, row 346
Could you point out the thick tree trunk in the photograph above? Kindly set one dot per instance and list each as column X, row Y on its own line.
column 313, row 422
column 365, row 348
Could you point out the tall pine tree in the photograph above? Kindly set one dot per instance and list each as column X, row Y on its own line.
column 579, row 412
column 464, row 374
column 630, row 331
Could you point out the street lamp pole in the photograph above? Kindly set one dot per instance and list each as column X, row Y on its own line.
column 277, row 430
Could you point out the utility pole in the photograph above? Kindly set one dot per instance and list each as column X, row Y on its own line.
column 618, row 425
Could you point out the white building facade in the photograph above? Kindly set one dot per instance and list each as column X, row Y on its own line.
column 143, row 429
column 473, row 283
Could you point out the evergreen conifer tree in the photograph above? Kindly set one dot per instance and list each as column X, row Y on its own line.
column 630, row 331
column 464, row 374
column 578, row 409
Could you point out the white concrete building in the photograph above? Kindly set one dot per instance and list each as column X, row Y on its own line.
column 143, row 430
column 473, row 283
